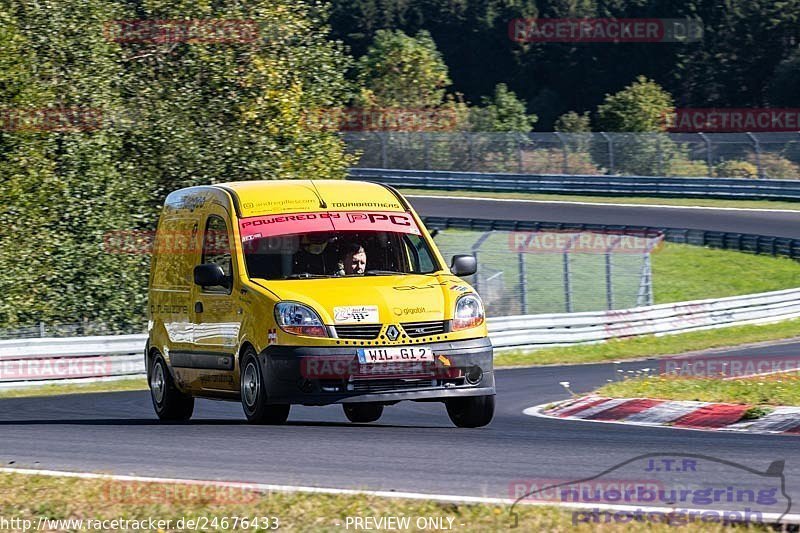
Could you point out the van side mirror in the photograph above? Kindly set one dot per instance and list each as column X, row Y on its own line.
column 209, row 275
column 464, row 265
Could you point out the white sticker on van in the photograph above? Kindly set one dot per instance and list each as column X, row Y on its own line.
column 358, row 314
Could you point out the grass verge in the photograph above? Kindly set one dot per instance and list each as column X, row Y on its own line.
column 683, row 202
column 77, row 388
column 683, row 272
column 651, row 346
column 776, row 389
column 27, row 497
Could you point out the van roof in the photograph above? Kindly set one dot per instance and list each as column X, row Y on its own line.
column 256, row 198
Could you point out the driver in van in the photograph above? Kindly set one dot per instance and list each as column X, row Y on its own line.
column 353, row 260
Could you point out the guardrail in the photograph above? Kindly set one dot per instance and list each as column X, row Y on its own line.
column 26, row 362
column 532, row 331
column 743, row 242
column 55, row 360
column 604, row 185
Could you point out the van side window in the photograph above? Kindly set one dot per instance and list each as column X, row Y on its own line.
column 176, row 237
column 421, row 259
column 217, row 250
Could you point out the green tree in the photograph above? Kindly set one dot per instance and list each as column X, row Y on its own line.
column 173, row 114
column 210, row 112
column 784, row 87
column 642, row 107
column 502, row 112
column 730, row 66
column 642, row 147
column 64, row 188
column 402, row 71
column 471, row 34
column 575, row 134
column 572, row 122
column 744, row 42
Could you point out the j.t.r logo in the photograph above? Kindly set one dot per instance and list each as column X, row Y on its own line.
column 362, row 314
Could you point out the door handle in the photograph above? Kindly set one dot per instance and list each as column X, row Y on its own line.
column 198, row 307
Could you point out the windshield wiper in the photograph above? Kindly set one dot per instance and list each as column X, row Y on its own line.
column 381, row 273
column 304, row 275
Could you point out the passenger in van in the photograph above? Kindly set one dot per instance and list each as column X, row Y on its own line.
column 311, row 258
column 353, row 260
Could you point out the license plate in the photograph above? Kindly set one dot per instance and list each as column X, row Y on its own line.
column 394, row 355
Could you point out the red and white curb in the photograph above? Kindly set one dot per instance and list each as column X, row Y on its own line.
column 667, row 413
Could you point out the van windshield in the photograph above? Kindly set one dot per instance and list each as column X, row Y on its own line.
column 334, row 244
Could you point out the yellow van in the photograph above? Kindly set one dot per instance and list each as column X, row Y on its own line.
column 276, row 293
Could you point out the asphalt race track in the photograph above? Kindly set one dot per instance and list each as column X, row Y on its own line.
column 773, row 223
column 414, row 447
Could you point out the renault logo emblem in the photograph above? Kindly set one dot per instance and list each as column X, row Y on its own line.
column 392, row 332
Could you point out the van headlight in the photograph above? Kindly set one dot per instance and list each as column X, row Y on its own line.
column 299, row 319
column 469, row 312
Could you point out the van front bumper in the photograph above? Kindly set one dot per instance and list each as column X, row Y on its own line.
column 332, row 374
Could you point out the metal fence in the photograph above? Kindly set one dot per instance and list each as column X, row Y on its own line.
column 601, row 185
column 551, row 271
column 735, row 155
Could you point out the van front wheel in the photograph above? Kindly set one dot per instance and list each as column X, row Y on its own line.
column 362, row 413
column 254, row 393
column 168, row 401
column 470, row 411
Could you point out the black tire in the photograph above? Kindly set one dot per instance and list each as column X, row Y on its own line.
column 362, row 413
column 471, row 411
column 170, row 403
column 254, row 393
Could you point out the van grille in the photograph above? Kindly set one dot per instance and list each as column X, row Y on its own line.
column 358, row 331
column 422, row 329
column 385, row 385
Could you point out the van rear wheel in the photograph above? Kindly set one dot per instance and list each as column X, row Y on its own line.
column 362, row 413
column 470, row 411
column 254, row 393
column 169, row 403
